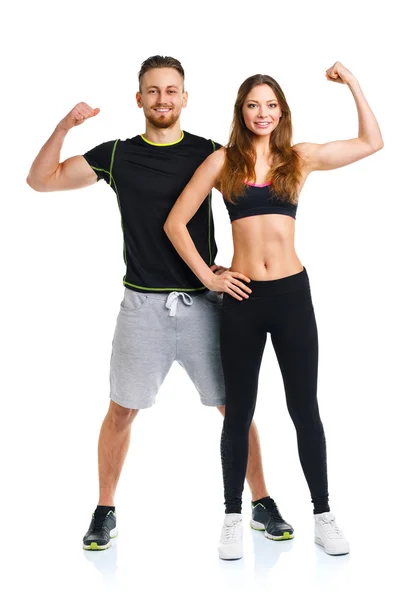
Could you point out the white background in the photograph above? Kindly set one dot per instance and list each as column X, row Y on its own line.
column 61, row 274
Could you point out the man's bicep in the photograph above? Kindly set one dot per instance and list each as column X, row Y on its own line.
column 74, row 173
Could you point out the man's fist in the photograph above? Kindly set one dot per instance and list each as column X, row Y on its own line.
column 78, row 115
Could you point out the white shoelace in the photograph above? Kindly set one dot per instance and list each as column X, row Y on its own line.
column 231, row 532
column 172, row 301
column 331, row 528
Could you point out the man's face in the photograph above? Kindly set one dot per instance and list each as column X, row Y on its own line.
column 161, row 97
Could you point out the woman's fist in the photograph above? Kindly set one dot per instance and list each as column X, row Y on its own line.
column 339, row 74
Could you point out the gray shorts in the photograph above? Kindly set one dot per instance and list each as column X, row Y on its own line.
column 153, row 330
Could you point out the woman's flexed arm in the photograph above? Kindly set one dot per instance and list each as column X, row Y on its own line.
column 336, row 154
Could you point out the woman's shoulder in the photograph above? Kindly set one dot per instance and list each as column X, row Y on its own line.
column 303, row 149
column 305, row 152
column 217, row 158
column 220, row 154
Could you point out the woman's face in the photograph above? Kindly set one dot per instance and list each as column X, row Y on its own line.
column 261, row 110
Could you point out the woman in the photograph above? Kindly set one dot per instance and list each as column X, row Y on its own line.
column 261, row 174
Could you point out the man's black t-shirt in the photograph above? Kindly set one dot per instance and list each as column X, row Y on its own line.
column 147, row 179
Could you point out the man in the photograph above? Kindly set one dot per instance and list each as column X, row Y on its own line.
column 166, row 313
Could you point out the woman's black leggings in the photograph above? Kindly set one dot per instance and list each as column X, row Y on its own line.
column 283, row 308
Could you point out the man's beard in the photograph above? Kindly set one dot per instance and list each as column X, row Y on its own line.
column 162, row 122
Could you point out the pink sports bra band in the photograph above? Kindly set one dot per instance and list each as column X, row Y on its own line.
column 258, row 184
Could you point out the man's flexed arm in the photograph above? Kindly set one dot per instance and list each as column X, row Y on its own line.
column 47, row 174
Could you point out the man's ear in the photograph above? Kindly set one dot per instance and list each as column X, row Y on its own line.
column 138, row 98
column 184, row 99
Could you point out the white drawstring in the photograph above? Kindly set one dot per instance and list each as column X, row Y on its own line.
column 172, row 301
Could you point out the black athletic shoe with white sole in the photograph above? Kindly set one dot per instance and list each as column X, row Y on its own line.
column 267, row 518
column 101, row 531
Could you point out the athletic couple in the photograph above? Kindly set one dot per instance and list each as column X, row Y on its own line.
column 173, row 309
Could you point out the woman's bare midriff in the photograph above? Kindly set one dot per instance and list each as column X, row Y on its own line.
column 264, row 247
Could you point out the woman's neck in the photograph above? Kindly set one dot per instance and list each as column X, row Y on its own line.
column 262, row 145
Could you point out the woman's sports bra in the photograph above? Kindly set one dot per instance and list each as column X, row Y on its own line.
column 259, row 200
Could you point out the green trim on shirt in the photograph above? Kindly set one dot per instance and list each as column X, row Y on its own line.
column 209, row 215
column 112, row 161
column 172, row 289
column 154, row 144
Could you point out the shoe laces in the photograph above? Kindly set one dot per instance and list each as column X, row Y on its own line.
column 98, row 522
column 231, row 532
column 275, row 513
column 330, row 526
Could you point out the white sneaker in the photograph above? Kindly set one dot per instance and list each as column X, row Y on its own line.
column 329, row 536
column 230, row 545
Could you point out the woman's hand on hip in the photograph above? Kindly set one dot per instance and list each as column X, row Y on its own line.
column 218, row 269
column 229, row 282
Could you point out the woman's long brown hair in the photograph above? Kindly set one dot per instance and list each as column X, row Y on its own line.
column 240, row 157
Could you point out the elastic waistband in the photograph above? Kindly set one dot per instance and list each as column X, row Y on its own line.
column 285, row 285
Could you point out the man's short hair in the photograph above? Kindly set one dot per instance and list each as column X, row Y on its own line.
column 160, row 62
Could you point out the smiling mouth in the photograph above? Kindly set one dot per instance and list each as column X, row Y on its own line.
column 262, row 123
column 162, row 110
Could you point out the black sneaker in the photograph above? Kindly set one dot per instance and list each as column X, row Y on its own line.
column 100, row 532
column 269, row 520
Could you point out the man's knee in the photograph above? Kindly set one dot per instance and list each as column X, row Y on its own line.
column 119, row 416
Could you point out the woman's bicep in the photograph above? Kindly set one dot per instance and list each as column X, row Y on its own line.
column 333, row 155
